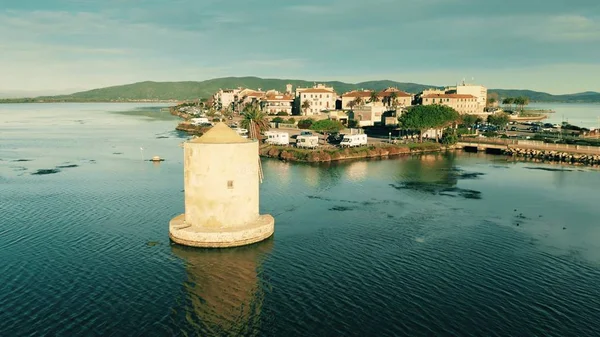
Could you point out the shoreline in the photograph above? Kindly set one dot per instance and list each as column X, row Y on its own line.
column 381, row 150
column 294, row 154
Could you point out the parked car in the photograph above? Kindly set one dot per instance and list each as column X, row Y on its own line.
column 335, row 138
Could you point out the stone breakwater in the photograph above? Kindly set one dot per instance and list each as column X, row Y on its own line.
column 289, row 153
column 554, row 156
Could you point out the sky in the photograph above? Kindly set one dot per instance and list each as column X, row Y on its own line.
column 58, row 46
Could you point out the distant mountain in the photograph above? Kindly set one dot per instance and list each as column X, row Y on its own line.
column 193, row 90
column 24, row 93
column 162, row 91
column 536, row 96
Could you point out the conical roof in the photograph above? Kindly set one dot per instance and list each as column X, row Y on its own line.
column 220, row 134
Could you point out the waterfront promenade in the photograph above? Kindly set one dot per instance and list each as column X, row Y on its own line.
column 504, row 144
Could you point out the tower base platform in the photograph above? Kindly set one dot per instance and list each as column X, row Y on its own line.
column 186, row 234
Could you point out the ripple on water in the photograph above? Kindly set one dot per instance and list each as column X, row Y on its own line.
column 87, row 253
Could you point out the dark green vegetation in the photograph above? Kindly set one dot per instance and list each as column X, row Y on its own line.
column 163, row 91
column 424, row 117
column 254, row 120
column 327, row 125
column 499, row 120
column 335, row 154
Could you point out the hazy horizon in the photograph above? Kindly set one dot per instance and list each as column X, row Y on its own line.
column 15, row 94
column 86, row 44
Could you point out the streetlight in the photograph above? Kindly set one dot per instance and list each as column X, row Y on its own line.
column 390, row 137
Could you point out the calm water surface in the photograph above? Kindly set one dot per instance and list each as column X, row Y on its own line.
column 463, row 245
column 585, row 115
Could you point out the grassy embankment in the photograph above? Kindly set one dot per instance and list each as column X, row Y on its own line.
column 334, row 154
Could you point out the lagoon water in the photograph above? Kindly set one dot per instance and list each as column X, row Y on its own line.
column 452, row 244
column 585, row 115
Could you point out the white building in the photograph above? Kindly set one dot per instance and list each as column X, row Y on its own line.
column 225, row 97
column 320, row 97
column 478, row 91
column 274, row 103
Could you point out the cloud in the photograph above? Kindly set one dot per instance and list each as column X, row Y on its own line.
column 75, row 43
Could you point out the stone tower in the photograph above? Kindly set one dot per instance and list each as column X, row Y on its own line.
column 221, row 192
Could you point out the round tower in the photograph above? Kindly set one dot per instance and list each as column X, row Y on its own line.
column 221, row 182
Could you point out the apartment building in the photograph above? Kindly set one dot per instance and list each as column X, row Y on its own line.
column 225, row 97
column 480, row 92
column 320, row 97
column 464, row 104
column 477, row 91
column 275, row 102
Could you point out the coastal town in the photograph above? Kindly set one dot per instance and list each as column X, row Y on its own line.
column 353, row 122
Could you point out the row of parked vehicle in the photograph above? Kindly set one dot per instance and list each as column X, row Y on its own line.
column 307, row 139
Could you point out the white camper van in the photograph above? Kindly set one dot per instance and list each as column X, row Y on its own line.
column 200, row 121
column 354, row 140
column 307, row 141
column 277, row 138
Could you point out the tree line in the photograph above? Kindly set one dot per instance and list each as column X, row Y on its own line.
column 519, row 102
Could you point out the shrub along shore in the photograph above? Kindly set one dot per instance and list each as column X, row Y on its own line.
column 289, row 153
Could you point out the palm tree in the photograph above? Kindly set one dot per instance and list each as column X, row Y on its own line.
column 351, row 104
column 508, row 101
column 305, row 106
column 393, row 99
column 385, row 101
column 374, row 97
column 358, row 101
column 521, row 102
column 255, row 121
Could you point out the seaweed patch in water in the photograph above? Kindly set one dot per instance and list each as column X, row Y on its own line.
column 469, row 175
column 162, row 137
column 21, row 160
column 340, row 208
column 117, row 152
column 469, row 194
column 45, row 171
column 319, row 198
column 549, row 169
column 438, row 189
column 67, row 166
column 152, row 243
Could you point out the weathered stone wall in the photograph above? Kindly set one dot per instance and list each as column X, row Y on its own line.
column 219, row 193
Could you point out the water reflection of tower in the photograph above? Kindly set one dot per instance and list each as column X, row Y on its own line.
column 311, row 175
column 223, row 291
column 280, row 171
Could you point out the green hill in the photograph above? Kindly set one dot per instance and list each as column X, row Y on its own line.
column 204, row 89
column 163, row 91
